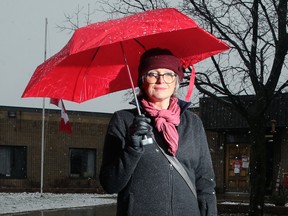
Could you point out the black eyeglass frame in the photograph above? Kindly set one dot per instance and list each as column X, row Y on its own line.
column 158, row 75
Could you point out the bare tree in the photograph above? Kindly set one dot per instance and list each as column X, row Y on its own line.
column 79, row 18
column 126, row 7
column 257, row 33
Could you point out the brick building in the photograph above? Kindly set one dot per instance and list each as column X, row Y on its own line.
column 228, row 137
column 70, row 160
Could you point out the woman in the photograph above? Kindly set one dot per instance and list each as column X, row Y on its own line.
column 146, row 183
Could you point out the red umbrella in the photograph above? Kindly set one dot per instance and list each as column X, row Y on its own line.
column 98, row 57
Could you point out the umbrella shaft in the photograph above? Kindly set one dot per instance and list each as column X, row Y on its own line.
column 131, row 80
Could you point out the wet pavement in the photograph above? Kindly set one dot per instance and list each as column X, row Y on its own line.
column 103, row 210
column 110, row 210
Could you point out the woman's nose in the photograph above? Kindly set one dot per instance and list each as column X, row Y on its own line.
column 160, row 79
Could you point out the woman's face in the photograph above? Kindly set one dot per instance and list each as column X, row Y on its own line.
column 159, row 87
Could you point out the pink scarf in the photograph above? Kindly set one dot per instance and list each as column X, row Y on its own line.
column 166, row 122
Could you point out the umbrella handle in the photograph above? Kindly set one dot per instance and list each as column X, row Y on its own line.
column 146, row 140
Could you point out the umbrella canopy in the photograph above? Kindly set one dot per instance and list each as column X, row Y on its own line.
column 94, row 62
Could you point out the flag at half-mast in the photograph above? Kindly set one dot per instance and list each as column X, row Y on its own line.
column 64, row 124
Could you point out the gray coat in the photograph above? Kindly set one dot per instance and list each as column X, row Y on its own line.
column 146, row 183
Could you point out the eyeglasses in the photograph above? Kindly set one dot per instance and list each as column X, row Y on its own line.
column 152, row 77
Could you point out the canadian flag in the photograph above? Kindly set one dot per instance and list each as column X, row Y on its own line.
column 64, row 122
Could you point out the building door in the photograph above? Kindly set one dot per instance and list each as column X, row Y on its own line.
column 237, row 167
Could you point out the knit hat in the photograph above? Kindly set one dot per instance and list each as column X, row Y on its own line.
column 159, row 58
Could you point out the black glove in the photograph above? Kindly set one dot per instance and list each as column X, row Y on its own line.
column 207, row 206
column 138, row 130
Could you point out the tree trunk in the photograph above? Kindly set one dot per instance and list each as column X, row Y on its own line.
column 257, row 166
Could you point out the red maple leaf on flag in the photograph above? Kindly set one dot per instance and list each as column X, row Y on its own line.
column 64, row 124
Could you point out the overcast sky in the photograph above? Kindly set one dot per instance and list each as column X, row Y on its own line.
column 22, row 40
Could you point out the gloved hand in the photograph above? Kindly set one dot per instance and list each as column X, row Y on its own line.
column 138, row 130
column 207, row 206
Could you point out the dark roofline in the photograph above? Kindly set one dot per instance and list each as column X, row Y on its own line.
column 216, row 115
column 39, row 110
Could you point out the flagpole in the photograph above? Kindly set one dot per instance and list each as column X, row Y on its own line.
column 43, row 118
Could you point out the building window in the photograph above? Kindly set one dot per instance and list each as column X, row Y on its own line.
column 13, row 161
column 82, row 163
